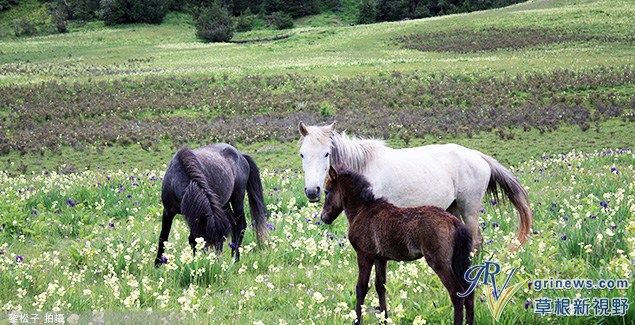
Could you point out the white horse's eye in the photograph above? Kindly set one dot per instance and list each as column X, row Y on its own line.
column 327, row 154
column 301, row 155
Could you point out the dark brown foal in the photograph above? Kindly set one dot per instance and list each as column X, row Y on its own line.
column 380, row 231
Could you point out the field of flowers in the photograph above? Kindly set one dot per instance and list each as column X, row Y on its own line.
column 83, row 245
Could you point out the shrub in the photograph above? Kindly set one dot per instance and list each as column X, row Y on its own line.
column 133, row 11
column 23, row 27
column 281, row 20
column 367, row 13
column 244, row 22
column 214, row 24
column 113, row 12
column 148, row 11
column 326, row 110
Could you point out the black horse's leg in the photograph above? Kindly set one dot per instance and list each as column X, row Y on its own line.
column 192, row 241
column 166, row 224
column 238, row 232
column 380, row 285
column 364, row 266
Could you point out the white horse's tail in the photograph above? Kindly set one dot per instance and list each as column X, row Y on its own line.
column 502, row 179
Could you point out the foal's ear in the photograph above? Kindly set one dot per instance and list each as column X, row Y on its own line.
column 332, row 173
column 302, row 129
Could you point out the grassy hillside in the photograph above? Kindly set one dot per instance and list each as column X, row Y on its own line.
column 173, row 49
column 535, row 45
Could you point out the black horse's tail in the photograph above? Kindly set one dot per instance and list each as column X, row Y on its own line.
column 256, row 201
column 461, row 256
column 200, row 205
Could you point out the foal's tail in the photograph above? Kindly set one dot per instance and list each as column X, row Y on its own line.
column 200, row 205
column 502, row 178
column 256, row 201
column 461, row 255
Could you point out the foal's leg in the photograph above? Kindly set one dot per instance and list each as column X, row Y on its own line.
column 469, row 308
column 168, row 217
column 380, row 285
column 364, row 266
column 443, row 269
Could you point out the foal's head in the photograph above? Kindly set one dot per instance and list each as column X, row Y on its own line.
column 344, row 187
column 333, row 205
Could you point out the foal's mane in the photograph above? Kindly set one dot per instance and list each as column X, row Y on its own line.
column 355, row 152
column 358, row 183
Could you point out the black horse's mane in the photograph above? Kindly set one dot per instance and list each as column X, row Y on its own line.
column 219, row 223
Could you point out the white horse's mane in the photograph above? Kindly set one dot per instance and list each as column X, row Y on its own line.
column 355, row 152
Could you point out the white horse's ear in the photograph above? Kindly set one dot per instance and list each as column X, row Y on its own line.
column 332, row 126
column 302, row 129
column 332, row 173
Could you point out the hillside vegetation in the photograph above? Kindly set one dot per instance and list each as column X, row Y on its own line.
column 550, row 66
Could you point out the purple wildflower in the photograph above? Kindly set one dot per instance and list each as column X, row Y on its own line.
column 19, row 258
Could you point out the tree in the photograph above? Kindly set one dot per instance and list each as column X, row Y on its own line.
column 133, row 11
column 367, row 12
column 214, row 24
column 391, row 10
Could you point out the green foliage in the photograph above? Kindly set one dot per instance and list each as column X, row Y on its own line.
column 367, row 12
column 80, row 9
column 133, row 11
column 326, row 110
column 281, row 20
column 7, row 4
column 24, row 27
column 244, row 22
column 391, row 10
column 294, row 8
column 214, row 24
column 60, row 15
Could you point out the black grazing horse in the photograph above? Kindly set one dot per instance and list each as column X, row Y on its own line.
column 201, row 184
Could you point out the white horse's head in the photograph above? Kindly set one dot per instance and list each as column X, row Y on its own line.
column 315, row 152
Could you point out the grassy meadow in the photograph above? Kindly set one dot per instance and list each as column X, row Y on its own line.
column 90, row 119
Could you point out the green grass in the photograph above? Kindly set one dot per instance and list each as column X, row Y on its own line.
column 98, row 252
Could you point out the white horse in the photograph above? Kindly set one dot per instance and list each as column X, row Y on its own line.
column 449, row 176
